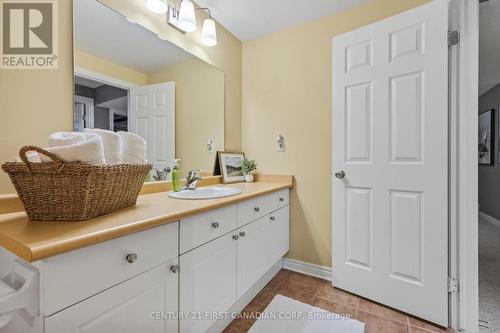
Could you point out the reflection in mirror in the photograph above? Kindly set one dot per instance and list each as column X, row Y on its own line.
column 127, row 78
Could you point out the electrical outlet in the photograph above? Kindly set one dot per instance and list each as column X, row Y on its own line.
column 210, row 146
column 280, row 143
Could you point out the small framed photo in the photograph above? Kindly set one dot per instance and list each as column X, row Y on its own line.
column 485, row 137
column 230, row 164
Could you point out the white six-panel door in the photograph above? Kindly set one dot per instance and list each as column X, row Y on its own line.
column 152, row 116
column 390, row 138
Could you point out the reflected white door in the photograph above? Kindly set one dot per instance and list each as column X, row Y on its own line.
column 390, row 137
column 152, row 116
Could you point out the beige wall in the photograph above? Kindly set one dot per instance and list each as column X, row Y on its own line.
column 287, row 84
column 199, row 111
column 96, row 64
column 34, row 103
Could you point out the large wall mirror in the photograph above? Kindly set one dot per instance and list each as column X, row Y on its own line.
column 127, row 78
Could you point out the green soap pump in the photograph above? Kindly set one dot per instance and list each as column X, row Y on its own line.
column 176, row 176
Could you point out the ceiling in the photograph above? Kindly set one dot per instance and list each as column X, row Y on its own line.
column 249, row 19
column 82, row 81
column 489, row 45
column 105, row 33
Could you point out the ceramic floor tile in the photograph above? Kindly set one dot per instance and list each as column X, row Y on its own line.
column 425, row 325
column 266, row 295
column 328, row 292
column 248, row 316
column 340, row 309
column 377, row 324
column 381, row 310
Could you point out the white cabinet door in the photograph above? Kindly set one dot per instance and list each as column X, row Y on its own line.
column 390, row 154
column 140, row 304
column 254, row 249
column 207, row 283
column 280, row 233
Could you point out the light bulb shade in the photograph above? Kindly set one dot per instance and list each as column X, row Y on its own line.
column 157, row 6
column 209, row 34
column 187, row 19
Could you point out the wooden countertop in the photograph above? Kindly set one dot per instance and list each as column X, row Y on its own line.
column 33, row 241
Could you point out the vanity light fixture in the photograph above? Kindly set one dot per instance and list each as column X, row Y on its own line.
column 184, row 18
column 208, row 33
column 157, row 6
column 187, row 18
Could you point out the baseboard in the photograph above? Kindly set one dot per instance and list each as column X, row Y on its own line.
column 318, row 271
column 489, row 218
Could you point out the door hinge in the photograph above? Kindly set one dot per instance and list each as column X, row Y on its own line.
column 453, row 38
column 452, row 285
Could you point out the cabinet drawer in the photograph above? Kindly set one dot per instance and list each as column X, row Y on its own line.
column 79, row 274
column 199, row 229
column 256, row 208
column 130, row 307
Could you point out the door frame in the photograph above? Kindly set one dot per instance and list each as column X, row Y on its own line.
column 463, row 205
column 89, row 107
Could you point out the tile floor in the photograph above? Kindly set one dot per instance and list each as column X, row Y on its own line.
column 320, row 293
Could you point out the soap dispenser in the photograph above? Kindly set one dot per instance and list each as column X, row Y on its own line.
column 176, row 176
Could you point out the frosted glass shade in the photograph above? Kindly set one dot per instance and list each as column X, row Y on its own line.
column 187, row 19
column 209, row 34
column 157, row 6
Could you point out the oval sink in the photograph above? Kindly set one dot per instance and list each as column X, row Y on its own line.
column 205, row 193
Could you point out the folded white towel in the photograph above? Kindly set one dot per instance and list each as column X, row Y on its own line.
column 133, row 147
column 90, row 150
column 58, row 139
column 111, row 143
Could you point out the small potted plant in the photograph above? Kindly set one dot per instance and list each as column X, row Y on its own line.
column 248, row 167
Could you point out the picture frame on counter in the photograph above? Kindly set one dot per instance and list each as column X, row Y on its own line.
column 229, row 165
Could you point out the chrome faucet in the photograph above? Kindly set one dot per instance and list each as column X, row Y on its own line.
column 192, row 180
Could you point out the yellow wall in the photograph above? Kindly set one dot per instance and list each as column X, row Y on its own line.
column 287, row 84
column 199, row 111
column 34, row 103
column 109, row 68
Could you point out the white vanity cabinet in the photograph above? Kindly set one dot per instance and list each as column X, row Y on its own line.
column 216, row 276
column 178, row 277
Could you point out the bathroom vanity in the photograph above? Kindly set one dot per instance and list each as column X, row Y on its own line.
column 165, row 265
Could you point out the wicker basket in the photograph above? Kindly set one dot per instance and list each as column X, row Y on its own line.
column 73, row 191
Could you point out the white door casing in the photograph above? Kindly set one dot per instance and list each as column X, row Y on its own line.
column 152, row 116
column 390, row 137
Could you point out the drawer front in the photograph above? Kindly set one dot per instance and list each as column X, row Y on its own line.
column 199, row 229
column 253, row 209
column 77, row 275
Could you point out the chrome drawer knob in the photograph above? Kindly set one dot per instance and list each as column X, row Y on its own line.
column 257, row 209
column 340, row 174
column 215, row 225
column 272, row 218
column 242, row 234
column 235, row 237
column 174, row 268
column 282, row 199
column 131, row 257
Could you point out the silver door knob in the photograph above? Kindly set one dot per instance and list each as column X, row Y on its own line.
column 235, row 237
column 340, row 174
column 215, row 225
column 282, row 199
column 131, row 257
column 242, row 234
column 272, row 218
column 257, row 209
